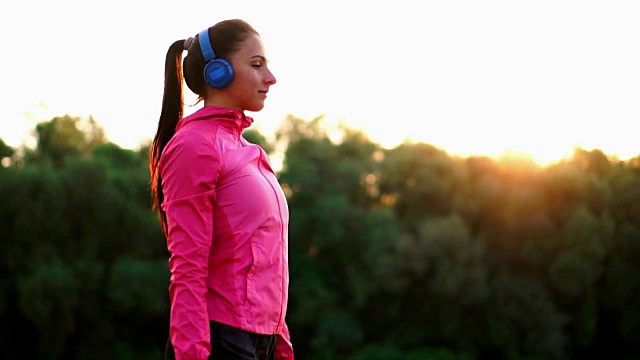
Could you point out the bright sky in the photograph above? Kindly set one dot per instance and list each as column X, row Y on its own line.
column 472, row 77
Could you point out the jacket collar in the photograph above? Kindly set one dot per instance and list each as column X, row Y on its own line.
column 233, row 118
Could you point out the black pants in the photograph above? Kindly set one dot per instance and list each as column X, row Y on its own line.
column 229, row 343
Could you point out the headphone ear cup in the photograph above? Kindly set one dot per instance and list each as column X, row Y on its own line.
column 218, row 73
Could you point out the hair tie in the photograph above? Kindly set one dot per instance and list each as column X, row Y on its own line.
column 187, row 43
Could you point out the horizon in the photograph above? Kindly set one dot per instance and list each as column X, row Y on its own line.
column 333, row 132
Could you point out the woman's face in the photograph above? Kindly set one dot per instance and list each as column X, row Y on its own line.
column 252, row 79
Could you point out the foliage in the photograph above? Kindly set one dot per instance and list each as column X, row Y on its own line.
column 255, row 137
column 67, row 136
column 401, row 253
column 5, row 150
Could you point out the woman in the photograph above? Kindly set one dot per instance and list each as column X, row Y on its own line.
column 222, row 211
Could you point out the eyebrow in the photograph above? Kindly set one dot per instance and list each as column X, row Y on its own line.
column 260, row 57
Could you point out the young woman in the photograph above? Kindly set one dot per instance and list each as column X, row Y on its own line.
column 222, row 211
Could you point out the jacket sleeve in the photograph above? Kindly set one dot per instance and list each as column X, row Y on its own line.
column 284, row 349
column 189, row 172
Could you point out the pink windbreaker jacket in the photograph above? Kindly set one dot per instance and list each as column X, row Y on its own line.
column 227, row 221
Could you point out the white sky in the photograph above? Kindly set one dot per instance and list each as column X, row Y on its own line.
column 471, row 77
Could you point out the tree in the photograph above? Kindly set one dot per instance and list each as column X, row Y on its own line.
column 420, row 180
column 66, row 136
column 5, row 150
column 255, row 137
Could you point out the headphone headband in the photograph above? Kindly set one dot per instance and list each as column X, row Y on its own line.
column 205, row 46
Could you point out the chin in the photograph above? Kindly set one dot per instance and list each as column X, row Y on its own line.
column 255, row 107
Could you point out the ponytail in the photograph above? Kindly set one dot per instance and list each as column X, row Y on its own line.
column 172, row 110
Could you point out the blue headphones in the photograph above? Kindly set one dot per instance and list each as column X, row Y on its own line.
column 218, row 72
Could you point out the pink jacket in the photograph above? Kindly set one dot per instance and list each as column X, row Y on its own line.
column 227, row 223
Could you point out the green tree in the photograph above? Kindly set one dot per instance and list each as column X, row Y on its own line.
column 331, row 185
column 255, row 137
column 6, row 152
column 67, row 136
column 419, row 180
column 82, row 250
column 402, row 253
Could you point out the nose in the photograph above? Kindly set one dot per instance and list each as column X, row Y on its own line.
column 270, row 79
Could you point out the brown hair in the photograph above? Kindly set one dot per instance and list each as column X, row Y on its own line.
column 226, row 38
